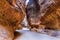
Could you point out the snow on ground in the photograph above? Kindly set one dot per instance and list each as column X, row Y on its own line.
column 28, row 35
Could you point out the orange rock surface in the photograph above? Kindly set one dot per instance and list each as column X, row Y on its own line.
column 10, row 19
column 51, row 19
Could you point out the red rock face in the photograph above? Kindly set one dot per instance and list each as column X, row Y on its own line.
column 52, row 17
column 47, row 15
column 9, row 14
column 10, row 19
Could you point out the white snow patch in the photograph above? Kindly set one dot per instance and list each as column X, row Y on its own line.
column 27, row 35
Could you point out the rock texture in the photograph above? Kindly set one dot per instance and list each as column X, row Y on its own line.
column 51, row 19
column 10, row 20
